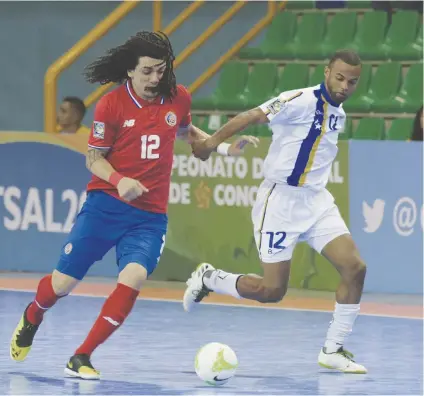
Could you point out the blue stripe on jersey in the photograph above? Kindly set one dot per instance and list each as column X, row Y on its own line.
column 308, row 142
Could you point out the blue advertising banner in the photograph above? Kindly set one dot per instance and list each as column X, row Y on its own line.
column 386, row 213
column 42, row 188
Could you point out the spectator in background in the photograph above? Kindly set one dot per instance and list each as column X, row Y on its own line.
column 417, row 130
column 70, row 116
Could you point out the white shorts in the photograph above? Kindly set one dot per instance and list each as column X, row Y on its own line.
column 284, row 215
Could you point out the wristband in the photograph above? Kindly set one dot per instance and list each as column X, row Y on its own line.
column 222, row 148
column 115, row 178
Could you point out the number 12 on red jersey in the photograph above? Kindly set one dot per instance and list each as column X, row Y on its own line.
column 150, row 143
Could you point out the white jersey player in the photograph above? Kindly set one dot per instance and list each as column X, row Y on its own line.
column 293, row 204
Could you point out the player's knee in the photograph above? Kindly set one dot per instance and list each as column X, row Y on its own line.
column 356, row 268
column 63, row 284
column 133, row 275
column 272, row 294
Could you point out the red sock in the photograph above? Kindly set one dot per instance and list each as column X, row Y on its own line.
column 44, row 299
column 114, row 311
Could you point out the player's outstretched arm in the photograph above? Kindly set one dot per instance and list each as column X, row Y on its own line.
column 128, row 189
column 203, row 148
column 193, row 134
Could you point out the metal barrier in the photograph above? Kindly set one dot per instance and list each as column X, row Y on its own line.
column 53, row 72
column 50, row 81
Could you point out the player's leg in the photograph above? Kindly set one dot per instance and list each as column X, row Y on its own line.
column 269, row 288
column 138, row 252
column 275, row 250
column 332, row 239
column 84, row 246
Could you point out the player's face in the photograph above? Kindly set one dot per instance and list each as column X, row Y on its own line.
column 146, row 76
column 341, row 80
column 66, row 115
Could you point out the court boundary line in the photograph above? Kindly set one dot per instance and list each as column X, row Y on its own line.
column 173, row 300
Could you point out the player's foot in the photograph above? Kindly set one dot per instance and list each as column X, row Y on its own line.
column 80, row 366
column 341, row 360
column 196, row 290
column 22, row 338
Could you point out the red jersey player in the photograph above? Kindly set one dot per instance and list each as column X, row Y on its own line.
column 130, row 155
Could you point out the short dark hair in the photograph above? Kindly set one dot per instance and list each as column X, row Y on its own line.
column 114, row 66
column 77, row 103
column 347, row 56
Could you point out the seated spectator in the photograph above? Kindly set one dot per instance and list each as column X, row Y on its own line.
column 70, row 115
column 417, row 131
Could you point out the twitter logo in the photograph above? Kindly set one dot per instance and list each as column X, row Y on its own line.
column 373, row 215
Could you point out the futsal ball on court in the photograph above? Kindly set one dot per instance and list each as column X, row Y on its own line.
column 215, row 363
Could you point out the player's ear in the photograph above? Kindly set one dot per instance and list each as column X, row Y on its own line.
column 130, row 73
column 326, row 71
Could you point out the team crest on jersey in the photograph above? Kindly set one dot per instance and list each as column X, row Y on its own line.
column 171, row 118
column 99, row 130
column 276, row 106
column 68, row 248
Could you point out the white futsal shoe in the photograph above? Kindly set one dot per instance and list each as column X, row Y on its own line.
column 341, row 360
column 196, row 290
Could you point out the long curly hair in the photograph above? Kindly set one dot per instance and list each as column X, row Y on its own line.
column 114, row 66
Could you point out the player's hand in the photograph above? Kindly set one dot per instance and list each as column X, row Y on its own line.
column 237, row 147
column 202, row 148
column 130, row 189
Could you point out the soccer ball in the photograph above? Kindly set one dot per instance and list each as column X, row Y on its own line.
column 215, row 363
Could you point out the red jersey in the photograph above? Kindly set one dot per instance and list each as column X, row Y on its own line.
column 140, row 137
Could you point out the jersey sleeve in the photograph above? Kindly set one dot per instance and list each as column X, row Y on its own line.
column 284, row 107
column 186, row 105
column 103, row 130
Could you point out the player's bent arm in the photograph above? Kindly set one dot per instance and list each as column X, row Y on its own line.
column 97, row 164
column 191, row 133
column 238, row 123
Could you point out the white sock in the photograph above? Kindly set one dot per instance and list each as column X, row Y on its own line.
column 222, row 282
column 341, row 326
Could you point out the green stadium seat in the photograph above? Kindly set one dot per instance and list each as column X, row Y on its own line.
column 260, row 85
column 340, row 33
column 384, row 87
column 300, row 5
column 369, row 129
column 354, row 4
column 418, row 44
column 357, row 102
column 317, row 76
column 213, row 122
column 309, row 36
column 347, row 133
column 293, row 76
column 411, row 92
column 401, row 35
column 400, row 129
column 231, row 84
column 195, row 120
column 277, row 37
column 370, row 35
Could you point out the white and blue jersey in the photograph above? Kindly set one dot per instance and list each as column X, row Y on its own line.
column 305, row 125
column 292, row 204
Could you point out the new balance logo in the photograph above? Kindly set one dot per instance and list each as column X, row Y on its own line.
column 129, row 123
column 111, row 321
